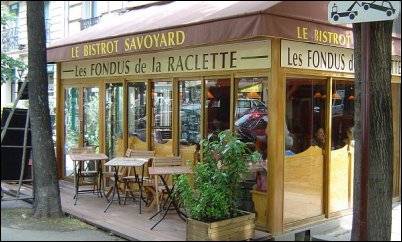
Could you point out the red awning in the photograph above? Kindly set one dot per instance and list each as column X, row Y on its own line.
column 181, row 24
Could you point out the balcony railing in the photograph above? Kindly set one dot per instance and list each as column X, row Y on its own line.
column 9, row 39
column 86, row 23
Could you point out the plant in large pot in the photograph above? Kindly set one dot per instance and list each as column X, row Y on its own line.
column 211, row 195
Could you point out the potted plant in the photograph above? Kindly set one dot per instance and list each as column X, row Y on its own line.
column 211, row 195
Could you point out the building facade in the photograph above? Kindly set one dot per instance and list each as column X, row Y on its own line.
column 162, row 79
column 166, row 76
column 62, row 19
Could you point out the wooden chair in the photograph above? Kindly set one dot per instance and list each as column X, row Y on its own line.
column 130, row 180
column 87, row 171
column 122, row 172
column 157, row 186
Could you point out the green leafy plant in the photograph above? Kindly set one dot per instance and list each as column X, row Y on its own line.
column 9, row 65
column 213, row 191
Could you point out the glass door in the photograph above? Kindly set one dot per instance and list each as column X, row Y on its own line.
column 81, row 121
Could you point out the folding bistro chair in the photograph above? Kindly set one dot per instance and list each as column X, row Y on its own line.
column 133, row 177
column 109, row 176
column 160, row 191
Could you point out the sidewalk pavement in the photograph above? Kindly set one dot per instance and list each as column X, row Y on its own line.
column 343, row 232
column 17, row 226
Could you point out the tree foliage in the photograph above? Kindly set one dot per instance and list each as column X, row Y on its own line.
column 8, row 63
column 217, row 181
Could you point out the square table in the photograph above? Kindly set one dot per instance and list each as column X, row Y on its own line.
column 129, row 162
column 78, row 160
column 162, row 172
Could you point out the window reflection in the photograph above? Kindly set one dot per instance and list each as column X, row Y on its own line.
column 341, row 166
column 114, row 119
column 137, row 120
column 304, row 170
column 190, row 111
column 162, row 111
column 342, row 113
column 71, row 126
column 305, row 110
column 251, row 117
column 90, row 116
column 218, row 104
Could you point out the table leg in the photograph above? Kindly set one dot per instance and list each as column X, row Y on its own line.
column 172, row 202
column 114, row 189
column 100, row 178
column 140, row 185
column 76, row 182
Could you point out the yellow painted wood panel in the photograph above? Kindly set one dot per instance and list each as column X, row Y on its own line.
column 303, row 185
column 339, row 182
column 187, row 153
column 261, row 209
column 136, row 144
column 164, row 149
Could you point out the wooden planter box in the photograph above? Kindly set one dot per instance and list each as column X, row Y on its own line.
column 234, row 229
column 261, row 210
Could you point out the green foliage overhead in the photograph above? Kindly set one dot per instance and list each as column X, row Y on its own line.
column 213, row 191
column 8, row 63
column 5, row 16
column 8, row 67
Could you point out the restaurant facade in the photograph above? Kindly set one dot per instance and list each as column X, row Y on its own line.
column 163, row 78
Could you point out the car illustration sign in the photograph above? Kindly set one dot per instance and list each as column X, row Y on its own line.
column 346, row 12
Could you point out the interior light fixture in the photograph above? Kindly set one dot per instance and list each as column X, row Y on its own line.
column 253, row 95
column 335, row 95
column 317, row 95
column 210, row 96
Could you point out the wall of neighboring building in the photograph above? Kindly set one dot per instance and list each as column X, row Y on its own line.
column 5, row 93
column 62, row 19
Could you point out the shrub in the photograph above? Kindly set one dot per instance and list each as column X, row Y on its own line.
column 215, row 189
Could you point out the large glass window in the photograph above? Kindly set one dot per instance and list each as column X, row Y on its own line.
column 341, row 166
column 114, row 119
column 303, row 171
column 137, row 119
column 342, row 113
column 305, row 112
column 190, row 116
column 71, row 126
column 81, row 121
column 162, row 117
column 217, row 105
column 251, row 112
column 91, row 116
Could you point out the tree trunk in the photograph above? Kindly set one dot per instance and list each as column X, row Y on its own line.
column 46, row 186
column 380, row 166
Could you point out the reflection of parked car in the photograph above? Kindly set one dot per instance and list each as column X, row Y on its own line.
column 251, row 125
column 243, row 104
column 257, row 109
column 141, row 123
column 337, row 105
column 190, row 122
